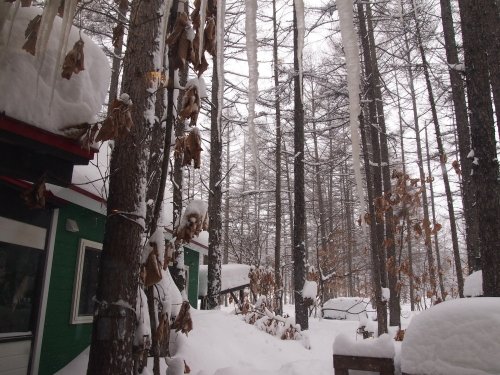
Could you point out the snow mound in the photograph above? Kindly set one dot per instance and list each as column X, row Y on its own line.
column 381, row 347
column 473, row 284
column 457, row 337
column 27, row 89
column 232, row 276
column 346, row 308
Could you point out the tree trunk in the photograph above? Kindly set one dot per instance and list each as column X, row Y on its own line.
column 406, row 218
column 278, row 210
column 390, row 243
column 425, row 206
column 215, row 185
column 485, row 163
column 299, row 251
column 117, row 52
column 373, row 167
column 433, row 210
column 114, row 317
column 442, row 162
column 380, row 304
column 459, row 104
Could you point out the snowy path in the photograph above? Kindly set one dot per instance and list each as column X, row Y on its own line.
column 222, row 344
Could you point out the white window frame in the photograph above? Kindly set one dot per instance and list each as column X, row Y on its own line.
column 75, row 305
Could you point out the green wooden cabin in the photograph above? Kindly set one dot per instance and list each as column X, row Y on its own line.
column 49, row 256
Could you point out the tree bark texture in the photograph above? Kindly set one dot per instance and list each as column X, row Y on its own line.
column 389, row 243
column 485, row 162
column 442, row 162
column 460, row 107
column 114, row 317
column 214, row 200
column 278, row 209
column 299, row 249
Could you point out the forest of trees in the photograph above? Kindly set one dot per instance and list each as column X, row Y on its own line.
column 277, row 164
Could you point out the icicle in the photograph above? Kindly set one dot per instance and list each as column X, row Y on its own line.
column 299, row 14
column 4, row 13
column 161, row 56
column 48, row 16
column 221, row 10
column 3, row 17
column 201, row 33
column 67, row 23
column 253, row 76
column 350, row 43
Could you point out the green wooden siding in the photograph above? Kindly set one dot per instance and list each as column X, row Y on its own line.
column 63, row 341
column 192, row 260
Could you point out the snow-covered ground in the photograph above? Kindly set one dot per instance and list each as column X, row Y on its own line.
column 221, row 343
column 455, row 337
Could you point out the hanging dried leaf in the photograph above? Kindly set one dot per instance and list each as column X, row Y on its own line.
column 26, row 3
column 179, row 147
column 443, row 158
column 400, row 335
column 74, row 60
column 437, row 228
column 190, row 105
column 456, row 166
column 31, row 35
column 179, row 42
column 153, row 267
column 183, row 322
column 195, row 14
column 119, row 121
column 210, row 36
column 34, row 197
column 192, row 148
column 187, row 369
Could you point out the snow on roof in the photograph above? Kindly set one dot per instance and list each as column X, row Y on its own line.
column 26, row 89
column 348, row 308
column 459, row 337
column 381, row 347
column 232, row 276
column 473, row 284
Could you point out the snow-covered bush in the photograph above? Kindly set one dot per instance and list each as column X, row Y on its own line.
column 346, row 308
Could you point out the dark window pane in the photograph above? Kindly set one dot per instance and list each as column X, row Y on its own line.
column 89, row 281
column 19, row 268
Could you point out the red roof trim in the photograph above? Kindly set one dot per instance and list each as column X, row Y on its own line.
column 87, row 194
column 24, row 185
column 32, row 132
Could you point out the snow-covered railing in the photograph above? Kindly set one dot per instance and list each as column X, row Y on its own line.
column 366, row 355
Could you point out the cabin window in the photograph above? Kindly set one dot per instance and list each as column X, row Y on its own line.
column 86, row 274
column 21, row 259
